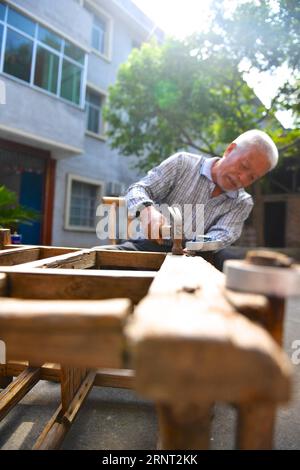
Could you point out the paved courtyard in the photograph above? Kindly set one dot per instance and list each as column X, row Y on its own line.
column 119, row 419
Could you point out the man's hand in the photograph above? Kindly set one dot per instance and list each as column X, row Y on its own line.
column 152, row 222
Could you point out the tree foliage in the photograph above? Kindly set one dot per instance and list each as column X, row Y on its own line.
column 170, row 97
column 191, row 94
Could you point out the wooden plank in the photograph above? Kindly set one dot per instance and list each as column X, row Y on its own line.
column 256, row 422
column 123, row 378
column 79, row 260
column 115, row 378
column 18, row 256
column 70, row 284
column 50, row 251
column 76, row 333
column 129, row 259
column 10, row 396
column 58, row 426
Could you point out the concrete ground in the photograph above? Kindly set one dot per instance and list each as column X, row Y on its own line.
column 120, row 420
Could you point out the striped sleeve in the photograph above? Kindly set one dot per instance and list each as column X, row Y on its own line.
column 229, row 226
column 156, row 185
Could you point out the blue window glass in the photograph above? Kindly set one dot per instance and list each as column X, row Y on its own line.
column 74, row 52
column 18, row 55
column 2, row 11
column 20, row 22
column 49, row 38
column 71, row 82
column 46, row 70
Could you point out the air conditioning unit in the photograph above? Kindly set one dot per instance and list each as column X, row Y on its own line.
column 115, row 188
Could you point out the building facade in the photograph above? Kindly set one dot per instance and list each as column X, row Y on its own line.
column 57, row 60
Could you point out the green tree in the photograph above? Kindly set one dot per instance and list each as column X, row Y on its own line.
column 11, row 213
column 176, row 96
column 267, row 34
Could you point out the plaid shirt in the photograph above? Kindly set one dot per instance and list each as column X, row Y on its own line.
column 185, row 178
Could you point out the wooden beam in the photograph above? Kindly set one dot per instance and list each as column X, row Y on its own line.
column 79, row 260
column 123, row 378
column 70, row 284
column 190, row 348
column 11, row 257
column 14, row 392
column 129, row 259
column 74, row 333
column 115, row 378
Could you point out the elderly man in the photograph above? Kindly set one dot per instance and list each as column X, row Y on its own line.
column 216, row 183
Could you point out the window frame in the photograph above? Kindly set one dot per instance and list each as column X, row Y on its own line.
column 96, row 11
column 103, row 94
column 59, row 53
column 100, row 192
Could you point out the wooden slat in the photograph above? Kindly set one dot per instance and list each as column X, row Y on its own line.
column 10, row 396
column 70, row 285
column 18, row 256
column 79, row 260
column 124, row 378
column 74, row 333
column 116, row 378
column 129, row 259
column 58, row 426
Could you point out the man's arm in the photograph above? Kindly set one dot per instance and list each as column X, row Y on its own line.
column 155, row 186
column 229, row 226
column 153, row 189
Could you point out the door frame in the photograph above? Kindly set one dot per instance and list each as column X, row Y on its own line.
column 49, row 184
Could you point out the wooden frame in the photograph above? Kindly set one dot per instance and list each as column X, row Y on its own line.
column 188, row 344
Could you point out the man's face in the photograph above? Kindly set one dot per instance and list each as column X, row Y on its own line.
column 239, row 168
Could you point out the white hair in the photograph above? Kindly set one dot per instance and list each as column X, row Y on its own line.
column 262, row 142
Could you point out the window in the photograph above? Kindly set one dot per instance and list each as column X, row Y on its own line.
column 21, row 22
column 49, row 38
column 94, row 103
column 102, row 30
column 40, row 57
column 99, row 32
column 71, row 82
column 82, row 199
column 46, row 70
column 18, row 55
column 74, row 53
column 2, row 11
